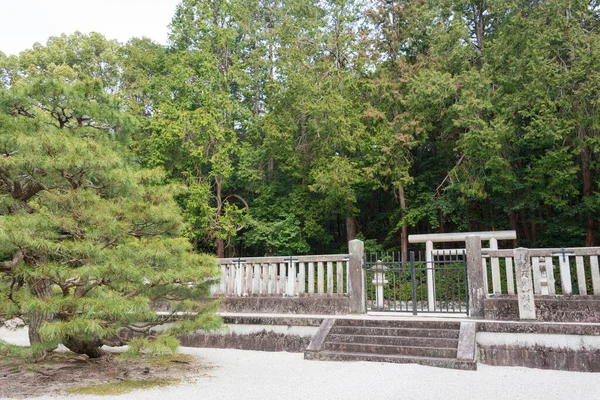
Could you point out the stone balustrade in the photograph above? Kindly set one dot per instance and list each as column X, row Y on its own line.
column 573, row 271
column 296, row 276
column 324, row 275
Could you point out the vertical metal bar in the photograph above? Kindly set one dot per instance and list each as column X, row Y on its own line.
column 375, row 279
column 458, row 296
column 392, row 271
column 421, row 281
column 399, row 273
column 380, row 282
column 413, row 278
column 446, row 282
column 452, row 271
column 466, row 280
column 402, row 276
column 402, row 273
column 436, row 277
column 366, row 280
column 405, row 272
column 444, row 296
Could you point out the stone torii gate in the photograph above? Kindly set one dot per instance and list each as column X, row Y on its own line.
column 430, row 252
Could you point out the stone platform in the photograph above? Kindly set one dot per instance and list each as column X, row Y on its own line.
column 412, row 339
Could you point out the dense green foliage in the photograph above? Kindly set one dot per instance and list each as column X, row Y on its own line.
column 295, row 126
column 88, row 240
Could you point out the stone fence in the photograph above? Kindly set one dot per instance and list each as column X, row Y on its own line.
column 502, row 283
column 548, row 267
column 566, row 275
column 296, row 276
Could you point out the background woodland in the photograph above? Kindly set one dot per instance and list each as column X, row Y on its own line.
column 291, row 127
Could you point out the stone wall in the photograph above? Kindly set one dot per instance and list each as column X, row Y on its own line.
column 556, row 346
column 308, row 305
column 258, row 333
column 261, row 341
column 548, row 308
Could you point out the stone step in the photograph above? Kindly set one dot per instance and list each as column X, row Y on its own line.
column 389, row 349
column 406, row 332
column 399, row 323
column 428, row 361
column 395, row 340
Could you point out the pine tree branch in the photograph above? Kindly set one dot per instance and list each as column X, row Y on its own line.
column 75, row 182
column 23, row 112
column 7, row 181
column 82, row 291
column 30, row 190
column 15, row 286
column 9, row 265
column 132, row 294
column 149, row 325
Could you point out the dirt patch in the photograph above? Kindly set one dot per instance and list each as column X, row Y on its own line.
column 62, row 373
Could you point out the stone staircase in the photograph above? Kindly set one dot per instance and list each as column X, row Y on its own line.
column 424, row 342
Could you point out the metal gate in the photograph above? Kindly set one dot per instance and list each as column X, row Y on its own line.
column 417, row 285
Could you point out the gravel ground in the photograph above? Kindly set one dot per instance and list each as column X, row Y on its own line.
column 246, row 375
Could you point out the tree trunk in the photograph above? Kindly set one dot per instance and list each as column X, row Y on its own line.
column 40, row 289
column 404, row 236
column 587, row 192
column 533, row 230
column 351, row 228
column 479, row 22
column 514, row 225
column 91, row 348
column 270, row 168
column 220, row 247
column 524, row 225
column 219, row 243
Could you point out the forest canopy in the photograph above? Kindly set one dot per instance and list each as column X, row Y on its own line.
column 291, row 127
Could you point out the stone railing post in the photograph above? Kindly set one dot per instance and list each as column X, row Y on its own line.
column 356, row 277
column 524, row 284
column 379, row 282
column 475, row 276
column 430, row 265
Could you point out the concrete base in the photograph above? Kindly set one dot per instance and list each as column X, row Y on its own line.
column 548, row 308
column 287, row 305
column 557, row 346
column 557, row 352
column 261, row 341
column 262, row 333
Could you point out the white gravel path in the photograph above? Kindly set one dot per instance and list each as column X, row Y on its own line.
column 247, row 375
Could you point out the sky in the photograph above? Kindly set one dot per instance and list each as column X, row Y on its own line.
column 24, row 22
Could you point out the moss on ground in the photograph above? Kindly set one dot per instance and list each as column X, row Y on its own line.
column 170, row 359
column 162, row 360
column 122, row 387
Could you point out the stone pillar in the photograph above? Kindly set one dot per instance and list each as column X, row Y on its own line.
column 379, row 282
column 475, row 276
column 356, row 277
column 524, row 284
column 495, row 263
column 430, row 276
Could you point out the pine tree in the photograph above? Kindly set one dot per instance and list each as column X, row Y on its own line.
column 88, row 243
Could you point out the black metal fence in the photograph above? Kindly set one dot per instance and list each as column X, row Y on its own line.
column 412, row 284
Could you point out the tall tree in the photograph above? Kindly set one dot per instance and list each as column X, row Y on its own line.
column 88, row 242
